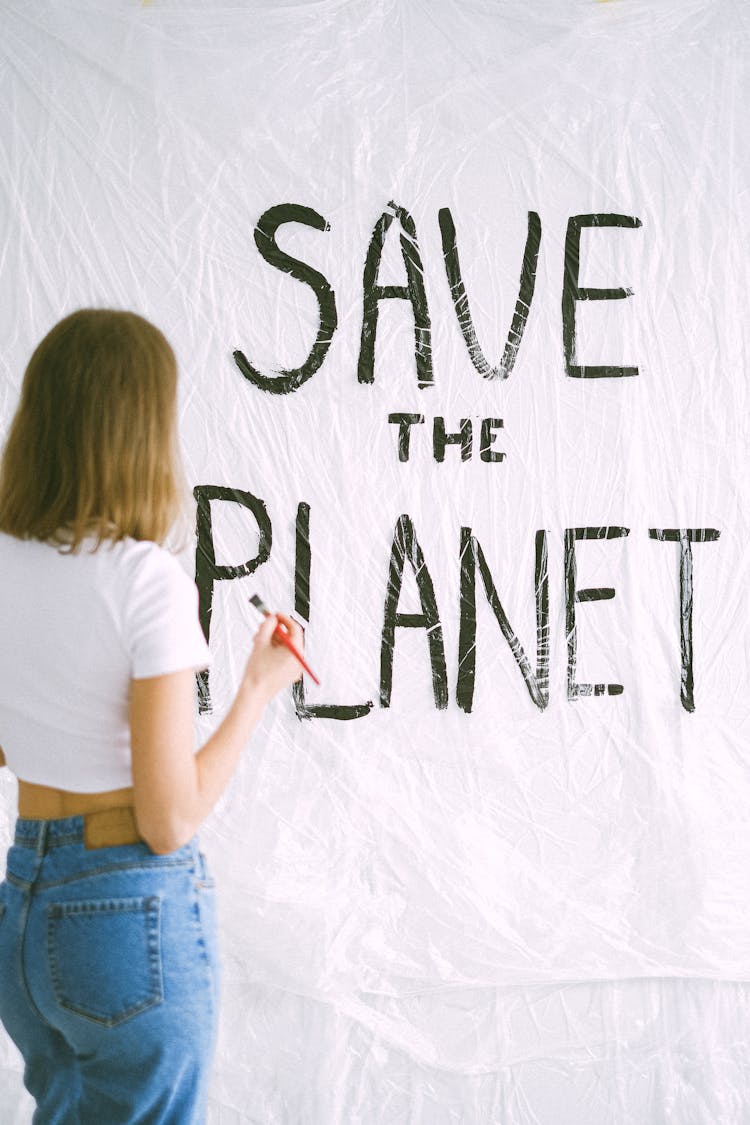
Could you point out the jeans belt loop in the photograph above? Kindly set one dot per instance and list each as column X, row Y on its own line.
column 42, row 838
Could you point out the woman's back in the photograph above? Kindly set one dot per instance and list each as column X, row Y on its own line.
column 76, row 628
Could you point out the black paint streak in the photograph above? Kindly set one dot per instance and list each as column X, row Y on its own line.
column 685, row 536
column 207, row 571
column 405, row 546
column 486, row 452
column 405, row 422
column 302, row 609
column 461, row 301
column 572, row 292
column 592, row 594
column 265, row 239
column 472, row 557
column 440, row 439
column 413, row 291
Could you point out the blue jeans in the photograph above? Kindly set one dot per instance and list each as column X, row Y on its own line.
column 109, row 976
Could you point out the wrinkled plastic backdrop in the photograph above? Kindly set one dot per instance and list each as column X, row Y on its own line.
column 512, row 914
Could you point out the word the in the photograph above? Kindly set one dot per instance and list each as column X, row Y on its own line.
column 442, row 437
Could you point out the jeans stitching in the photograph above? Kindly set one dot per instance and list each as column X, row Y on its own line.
column 150, row 907
column 205, row 889
column 204, row 877
column 31, row 842
column 103, row 869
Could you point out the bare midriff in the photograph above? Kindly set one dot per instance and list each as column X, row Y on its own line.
column 41, row 802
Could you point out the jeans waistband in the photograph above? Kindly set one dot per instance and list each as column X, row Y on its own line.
column 41, row 836
column 102, row 828
column 45, row 834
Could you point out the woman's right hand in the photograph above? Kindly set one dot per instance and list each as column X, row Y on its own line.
column 271, row 666
column 175, row 789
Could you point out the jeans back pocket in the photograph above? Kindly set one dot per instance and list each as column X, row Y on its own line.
column 105, row 956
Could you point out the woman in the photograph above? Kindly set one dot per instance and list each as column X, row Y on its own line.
column 108, row 956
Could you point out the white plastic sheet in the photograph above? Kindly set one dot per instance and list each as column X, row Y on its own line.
column 455, row 886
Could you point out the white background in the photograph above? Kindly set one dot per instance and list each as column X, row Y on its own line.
column 432, row 917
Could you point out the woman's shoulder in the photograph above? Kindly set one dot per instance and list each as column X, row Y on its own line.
column 127, row 565
column 142, row 560
column 12, row 544
column 29, row 554
column 160, row 612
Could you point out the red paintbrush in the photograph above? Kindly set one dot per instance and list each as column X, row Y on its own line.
column 282, row 635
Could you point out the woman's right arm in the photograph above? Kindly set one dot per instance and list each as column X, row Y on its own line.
column 175, row 788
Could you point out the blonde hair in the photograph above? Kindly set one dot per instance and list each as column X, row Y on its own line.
column 92, row 449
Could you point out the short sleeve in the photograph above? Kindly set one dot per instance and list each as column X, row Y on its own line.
column 162, row 630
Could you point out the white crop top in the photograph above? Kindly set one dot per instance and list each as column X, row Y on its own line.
column 74, row 630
